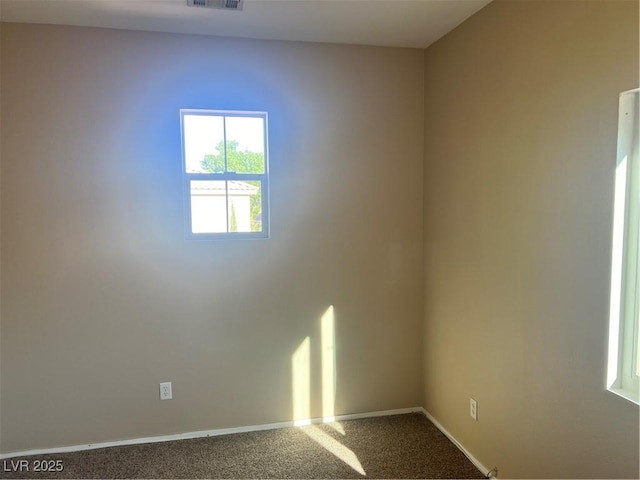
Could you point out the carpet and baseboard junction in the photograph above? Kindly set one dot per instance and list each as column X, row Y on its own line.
column 406, row 445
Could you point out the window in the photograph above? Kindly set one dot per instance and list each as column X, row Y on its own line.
column 623, row 370
column 225, row 174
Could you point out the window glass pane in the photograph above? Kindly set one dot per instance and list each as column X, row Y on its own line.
column 208, row 206
column 245, row 144
column 637, row 352
column 636, row 315
column 203, row 143
column 245, row 206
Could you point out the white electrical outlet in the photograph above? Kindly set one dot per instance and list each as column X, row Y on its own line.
column 165, row 391
column 473, row 409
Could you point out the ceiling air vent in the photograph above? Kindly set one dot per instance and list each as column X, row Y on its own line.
column 219, row 4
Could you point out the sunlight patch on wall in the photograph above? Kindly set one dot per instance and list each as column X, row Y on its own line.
column 301, row 391
column 328, row 365
column 301, row 383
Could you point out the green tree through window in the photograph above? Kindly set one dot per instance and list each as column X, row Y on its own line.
column 239, row 161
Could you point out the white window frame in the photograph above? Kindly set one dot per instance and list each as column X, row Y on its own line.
column 623, row 367
column 226, row 176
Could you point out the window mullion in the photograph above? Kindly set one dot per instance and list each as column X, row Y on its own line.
column 245, row 176
column 226, row 197
column 224, row 142
column 225, row 176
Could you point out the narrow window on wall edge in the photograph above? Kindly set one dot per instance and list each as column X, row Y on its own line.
column 225, row 173
column 623, row 363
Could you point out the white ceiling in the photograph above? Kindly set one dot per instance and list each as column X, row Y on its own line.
column 393, row 23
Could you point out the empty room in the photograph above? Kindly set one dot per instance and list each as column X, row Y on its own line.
column 319, row 239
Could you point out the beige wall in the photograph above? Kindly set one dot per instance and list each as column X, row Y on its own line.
column 520, row 140
column 102, row 298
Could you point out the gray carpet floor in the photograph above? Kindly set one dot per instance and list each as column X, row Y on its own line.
column 399, row 446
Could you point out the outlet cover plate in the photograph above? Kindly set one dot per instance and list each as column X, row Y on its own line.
column 165, row 391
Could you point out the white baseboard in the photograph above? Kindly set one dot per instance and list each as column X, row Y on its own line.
column 208, row 433
column 484, row 470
